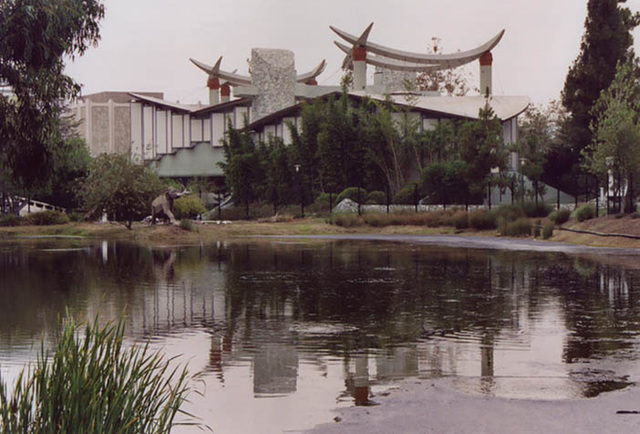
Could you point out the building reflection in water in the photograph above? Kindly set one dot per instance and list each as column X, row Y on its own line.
column 388, row 311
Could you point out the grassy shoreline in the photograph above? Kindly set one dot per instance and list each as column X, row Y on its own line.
column 209, row 233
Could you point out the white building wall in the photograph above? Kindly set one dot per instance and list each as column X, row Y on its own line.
column 269, row 130
column 218, row 129
column 186, row 131
column 241, row 114
column 161, row 131
column 206, row 127
column 136, row 132
column 286, row 133
column 196, row 130
column 176, row 123
column 148, row 142
column 429, row 124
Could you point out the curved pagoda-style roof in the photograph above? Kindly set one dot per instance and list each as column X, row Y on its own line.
column 409, row 61
column 244, row 80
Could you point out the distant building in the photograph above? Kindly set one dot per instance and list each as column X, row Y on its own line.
column 182, row 140
column 105, row 121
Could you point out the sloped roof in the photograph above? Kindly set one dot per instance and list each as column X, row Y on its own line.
column 118, row 97
column 468, row 107
column 504, row 107
column 161, row 102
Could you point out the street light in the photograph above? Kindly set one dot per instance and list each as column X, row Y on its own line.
column 299, row 186
column 522, row 162
column 609, row 163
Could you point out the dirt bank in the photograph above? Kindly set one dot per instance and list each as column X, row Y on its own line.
column 435, row 407
column 206, row 233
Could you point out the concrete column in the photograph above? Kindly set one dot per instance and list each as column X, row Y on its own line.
column 214, row 86
column 486, row 60
column 112, row 126
column 359, row 68
column 225, row 92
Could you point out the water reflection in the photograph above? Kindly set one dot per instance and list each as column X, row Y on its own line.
column 285, row 316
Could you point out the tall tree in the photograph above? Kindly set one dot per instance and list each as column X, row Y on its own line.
column 36, row 37
column 480, row 146
column 614, row 149
column 606, row 42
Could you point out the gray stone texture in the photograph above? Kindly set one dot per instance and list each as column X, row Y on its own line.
column 100, row 131
column 273, row 73
column 122, row 130
column 394, row 81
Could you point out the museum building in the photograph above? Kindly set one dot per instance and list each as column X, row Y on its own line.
column 185, row 140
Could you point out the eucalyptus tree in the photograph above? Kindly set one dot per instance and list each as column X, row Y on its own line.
column 37, row 36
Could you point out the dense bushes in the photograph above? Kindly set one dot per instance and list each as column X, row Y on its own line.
column 188, row 207
column 395, row 219
column 560, row 217
column 517, row 228
column 10, row 220
column 43, row 218
column 406, row 195
column 46, row 218
column 585, row 212
column 358, row 195
column 377, row 198
column 482, row 220
column 532, row 209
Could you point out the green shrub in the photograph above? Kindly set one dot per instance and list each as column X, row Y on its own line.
column 346, row 220
column 323, row 199
column 11, row 220
column 186, row 224
column 459, row 220
column 518, row 228
column 94, row 383
column 377, row 198
column 352, row 193
column 560, row 217
column 509, row 213
column 535, row 229
column 482, row 220
column 533, row 210
column 377, row 220
column 406, row 195
column 585, row 212
column 75, row 216
column 435, row 219
column 547, row 231
column 46, row 218
column 395, row 219
column 187, row 207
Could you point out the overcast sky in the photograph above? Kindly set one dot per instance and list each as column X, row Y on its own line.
column 146, row 44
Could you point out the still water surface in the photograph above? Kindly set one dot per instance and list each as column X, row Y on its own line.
column 285, row 332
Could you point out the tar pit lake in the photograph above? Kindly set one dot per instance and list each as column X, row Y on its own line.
column 283, row 333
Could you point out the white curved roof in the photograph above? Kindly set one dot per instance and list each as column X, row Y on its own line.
column 410, row 59
column 505, row 107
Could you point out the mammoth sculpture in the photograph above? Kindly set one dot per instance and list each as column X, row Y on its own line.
column 162, row 206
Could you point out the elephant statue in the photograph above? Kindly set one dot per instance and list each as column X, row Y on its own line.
column 162, row 206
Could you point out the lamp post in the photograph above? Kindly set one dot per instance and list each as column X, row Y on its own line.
column 522, row 163
column 299, row 186
column 609, row 163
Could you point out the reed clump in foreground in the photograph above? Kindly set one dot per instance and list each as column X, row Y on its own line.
column 92, row 383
